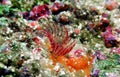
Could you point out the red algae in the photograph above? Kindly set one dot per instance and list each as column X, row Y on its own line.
column 111, row 4
column 37, row 12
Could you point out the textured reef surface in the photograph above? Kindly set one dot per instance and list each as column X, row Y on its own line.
column 59, row 38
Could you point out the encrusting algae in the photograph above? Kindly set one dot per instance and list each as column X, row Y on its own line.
column 83, row 63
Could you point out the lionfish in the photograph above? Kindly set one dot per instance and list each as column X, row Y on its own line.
column 59, row 39
column 61, row 44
